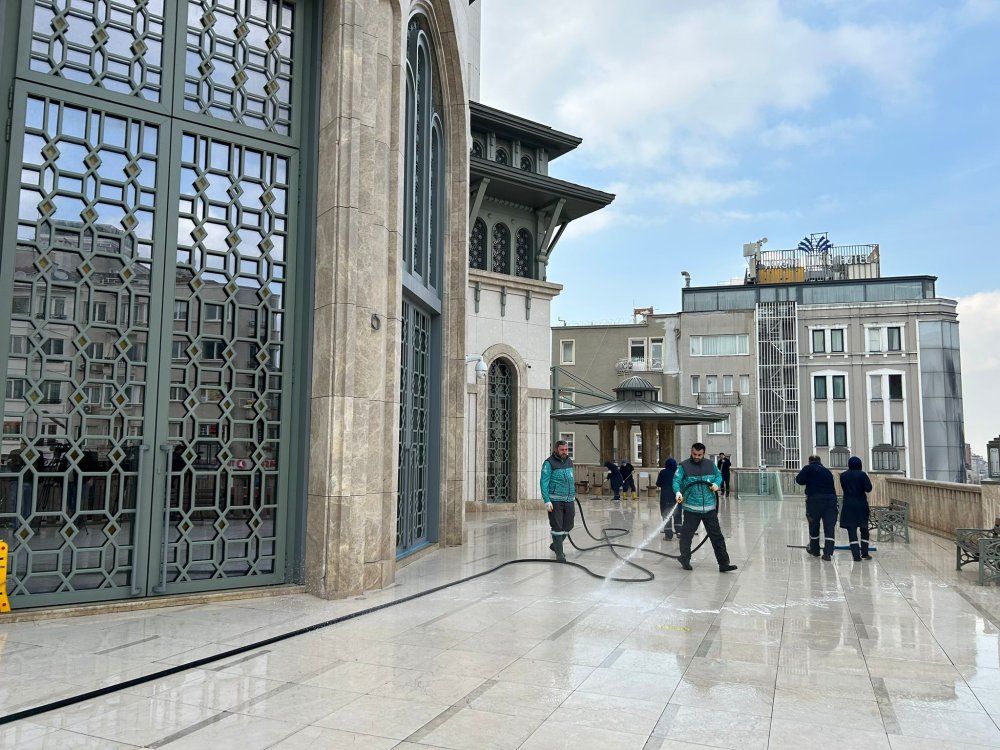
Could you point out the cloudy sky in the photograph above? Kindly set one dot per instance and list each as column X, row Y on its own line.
column 718, row 122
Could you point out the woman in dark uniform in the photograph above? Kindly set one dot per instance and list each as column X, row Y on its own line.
column 856, row 485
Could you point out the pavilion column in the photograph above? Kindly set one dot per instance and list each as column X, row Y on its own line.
column 648, row 430
column 665, row 431
column 607, row 428
column 623, row 431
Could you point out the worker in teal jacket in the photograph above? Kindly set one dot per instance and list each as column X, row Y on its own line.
column 558, row 487
column 696, row 483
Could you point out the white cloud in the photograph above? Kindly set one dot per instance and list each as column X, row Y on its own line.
column 788, row 134
column 695, row 190
column 980, row 332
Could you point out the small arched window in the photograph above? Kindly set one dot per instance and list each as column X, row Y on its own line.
column 477, row 149
column 501, row 157
column 501, row 248
column 477, row 245
column 526, row 164
column 522, row 259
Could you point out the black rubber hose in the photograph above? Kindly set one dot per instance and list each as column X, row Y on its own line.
column 107, row 690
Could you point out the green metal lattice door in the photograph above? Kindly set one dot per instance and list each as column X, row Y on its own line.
column 148, row 250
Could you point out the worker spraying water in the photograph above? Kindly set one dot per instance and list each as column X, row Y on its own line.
column 696, row 484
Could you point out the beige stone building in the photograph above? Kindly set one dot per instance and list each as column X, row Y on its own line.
column 814, row 352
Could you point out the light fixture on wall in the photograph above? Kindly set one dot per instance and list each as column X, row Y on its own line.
column 480, row 361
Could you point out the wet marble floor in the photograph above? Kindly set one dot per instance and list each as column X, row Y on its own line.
column 901, row 652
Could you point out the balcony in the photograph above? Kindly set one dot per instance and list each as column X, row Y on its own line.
column 717, row 398
column 638, row 364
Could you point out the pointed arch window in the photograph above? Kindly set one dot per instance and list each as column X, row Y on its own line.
column 500, row 259
column 477, row 149
column 524, row 251
column 424, row 164
column 501, row 157
column 477, row 245
column 526, row 164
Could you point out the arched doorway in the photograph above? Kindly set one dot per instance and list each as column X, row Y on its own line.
column 500, row 430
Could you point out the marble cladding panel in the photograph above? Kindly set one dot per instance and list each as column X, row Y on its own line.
column 320, row 454
column 317, row 543
column 328, row 167
column 367, row 183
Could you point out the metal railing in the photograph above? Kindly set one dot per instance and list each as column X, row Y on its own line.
column 639, row 364
column 715, row 398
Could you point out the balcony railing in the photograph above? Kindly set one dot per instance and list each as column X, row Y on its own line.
column 639, row 364
column 716, row 398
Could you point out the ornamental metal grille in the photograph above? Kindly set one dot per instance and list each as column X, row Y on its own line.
column 525, row 248
column 778, row 376
column 144, row 295
column 412, row 500
column 501, row 157
column 477, row 245
column 500, row 260
column 115, row 45
column 227, row 354
column 500, row 431
column 239, row 62
column 526, row 164
column 81, row 299
column 477, row 149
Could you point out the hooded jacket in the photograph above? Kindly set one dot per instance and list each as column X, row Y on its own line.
column 856, row 485
column 818, row 481
column 693, row 479
column 665, row 479
column 557, row 483
column 614, row 475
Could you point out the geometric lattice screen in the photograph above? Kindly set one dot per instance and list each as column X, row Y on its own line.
column 144, row 310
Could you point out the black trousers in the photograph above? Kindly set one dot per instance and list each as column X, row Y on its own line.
column 724, row 487
column 858, row 551
column 671, row 511
column 562, row 516
column 822, row 509
column 712, row 528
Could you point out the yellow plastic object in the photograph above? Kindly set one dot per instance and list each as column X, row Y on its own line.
column 4, row 601
column 791, row 275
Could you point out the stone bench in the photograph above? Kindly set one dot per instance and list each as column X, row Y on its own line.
column 891, row 521
column 981, row 546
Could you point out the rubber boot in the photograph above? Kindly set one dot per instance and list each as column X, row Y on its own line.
column 855, row 551
column 557, row 546
column 864, row 551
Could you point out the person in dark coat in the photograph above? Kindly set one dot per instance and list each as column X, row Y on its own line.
column 821, row 505
column 615, row 478
column 856, row 485
column 628, row 479
column 725, row 466
column 669, row 509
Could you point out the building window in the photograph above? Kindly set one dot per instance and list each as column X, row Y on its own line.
column 837, row 340
column 15, row 388
column 712, row 383
column 720, row 345
column 180, row 309
column 656, row 354
column 819, row 387
column 213, row 349
column 54, row 347
column 875, row 382
column 501, row 248
column 524, row 250
column 477, row 149
column 101, row 312
column 501, row 157
column 819, row 341
column 874, row 340
column 178, row 393
column 567, row 400
column 18, row 344
column 822, row 434
column 896, row 386
column 840, row 434
column 878, row 433
column 95, row 350
column 477, row 245
column 745, row 384
column 51, row 392
column 719, row 428
column 567, row 352
column 22, row 306
column 570, row 438
column 637, row 352
column 526, row 164
column 695, row 385
column 213, row 312
column 839, row 387
column 177, row 350
column 894, row 338
column 727, row 383
column 898, row 435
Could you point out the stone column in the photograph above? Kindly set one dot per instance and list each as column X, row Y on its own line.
column 623, row 434
column 665, row 432
column 648, row 444
column 607, row 428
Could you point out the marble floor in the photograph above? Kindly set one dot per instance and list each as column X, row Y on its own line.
column 901, row 653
